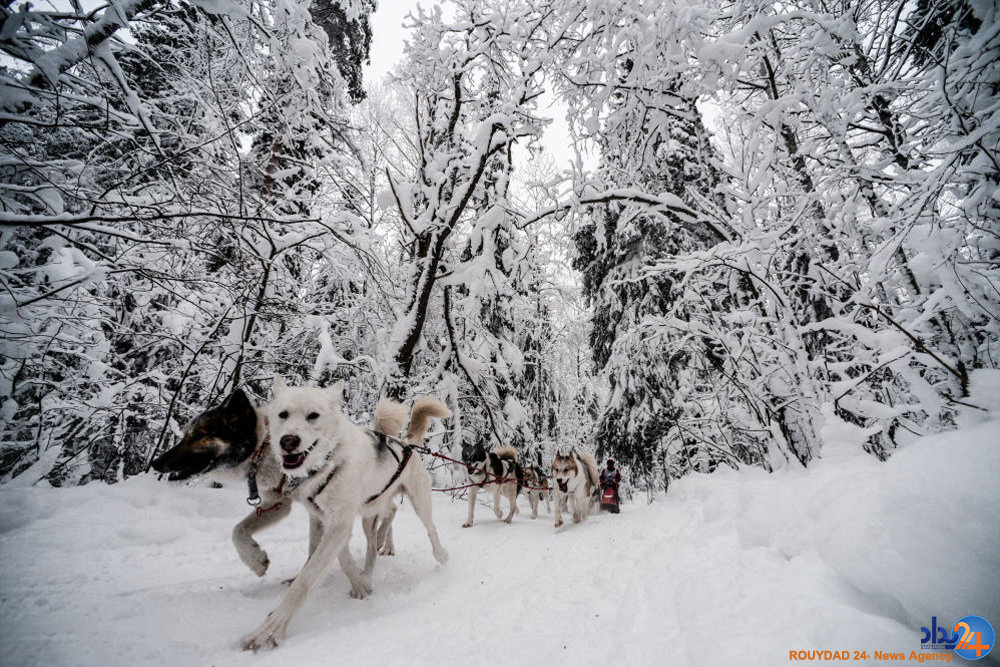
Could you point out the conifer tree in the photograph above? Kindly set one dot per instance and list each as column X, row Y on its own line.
column 656, row 142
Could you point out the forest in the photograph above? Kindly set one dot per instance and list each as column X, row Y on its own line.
column 776, row 215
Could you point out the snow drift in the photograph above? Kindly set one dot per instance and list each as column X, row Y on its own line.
column 731, row 568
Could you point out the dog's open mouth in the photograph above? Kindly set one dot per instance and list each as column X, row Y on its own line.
column 563, row 485
column 292, row 461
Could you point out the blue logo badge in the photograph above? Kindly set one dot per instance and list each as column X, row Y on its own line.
column 975, row 637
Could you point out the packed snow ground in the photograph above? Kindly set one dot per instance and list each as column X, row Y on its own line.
column 727, row 569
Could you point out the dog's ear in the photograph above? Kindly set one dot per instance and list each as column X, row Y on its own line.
column 238, row 405
column 278, row 385
column 238, row 400
column 336, row 391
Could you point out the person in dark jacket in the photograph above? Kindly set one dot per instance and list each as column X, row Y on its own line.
column 611, row 477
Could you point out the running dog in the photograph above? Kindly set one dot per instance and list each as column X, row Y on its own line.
column 576, row 480
column 535, row 480
column 340, row 470
column 226, row 442
column 221, row 442
column 496, row 472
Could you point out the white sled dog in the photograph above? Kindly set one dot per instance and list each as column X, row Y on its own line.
column 486, row 470
column 340, row 470
column 576, row 480
column 223, row 443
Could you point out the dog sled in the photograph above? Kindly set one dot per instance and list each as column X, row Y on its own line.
column 609, row 498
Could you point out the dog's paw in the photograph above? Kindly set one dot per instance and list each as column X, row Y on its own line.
column 255, row 643
column 441, row 555
column 467, row 524
column 361, row 589
column 559, row 523
column 267, row 636
column 260, row 566
column 508, row 520
column 256, row 559
column 387, row 550
column 577, row 518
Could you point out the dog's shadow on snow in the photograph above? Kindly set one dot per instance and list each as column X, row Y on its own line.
column 392, row 578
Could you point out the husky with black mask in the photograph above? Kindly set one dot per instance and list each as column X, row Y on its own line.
column 496, row 472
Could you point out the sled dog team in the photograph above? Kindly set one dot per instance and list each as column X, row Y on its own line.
column 498, row 472
column 301, row 448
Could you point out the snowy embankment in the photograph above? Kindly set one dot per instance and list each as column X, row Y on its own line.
column 728, row 569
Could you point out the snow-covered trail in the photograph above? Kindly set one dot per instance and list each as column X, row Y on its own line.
column 728, row 569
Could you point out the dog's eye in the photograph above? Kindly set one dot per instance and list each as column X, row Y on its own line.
column 283, row 414
column 312, row 416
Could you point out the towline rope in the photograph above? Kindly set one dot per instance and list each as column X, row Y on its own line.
column 499, row 479
column 254, row 497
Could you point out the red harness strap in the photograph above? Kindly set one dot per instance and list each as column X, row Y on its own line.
column 260, row 511
column 457, row 488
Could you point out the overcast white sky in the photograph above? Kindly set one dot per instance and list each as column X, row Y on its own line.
column 388, row 35
column 387, row 49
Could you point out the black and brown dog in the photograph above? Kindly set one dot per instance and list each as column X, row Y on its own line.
column 228, row 442
column 223, row 437
column 221, row 442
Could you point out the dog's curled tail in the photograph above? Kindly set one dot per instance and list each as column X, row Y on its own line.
column 591, row 464
column 506, row 452
column 424, row 410
column 390, row 417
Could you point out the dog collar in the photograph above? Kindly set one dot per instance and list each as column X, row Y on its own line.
column 322, row 464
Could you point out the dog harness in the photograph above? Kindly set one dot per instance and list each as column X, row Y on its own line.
column 506, row 468
column 287, row 484
column 407, row 453
column 322, row 487
column 476, row 471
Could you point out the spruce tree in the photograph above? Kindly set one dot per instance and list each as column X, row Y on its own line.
column 663, row 150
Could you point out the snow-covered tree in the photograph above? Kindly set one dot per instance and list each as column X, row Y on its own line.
column 792, row 222
column 150, row 260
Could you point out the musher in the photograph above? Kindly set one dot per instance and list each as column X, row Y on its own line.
column 611, row 478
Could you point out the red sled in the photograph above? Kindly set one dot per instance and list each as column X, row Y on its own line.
column 609, row 499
